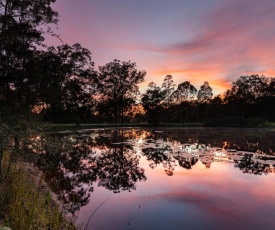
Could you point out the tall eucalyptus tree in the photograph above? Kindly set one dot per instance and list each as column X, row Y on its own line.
column 205, row 93
column 185, row 92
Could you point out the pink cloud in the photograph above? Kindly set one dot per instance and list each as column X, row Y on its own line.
column 218, row 44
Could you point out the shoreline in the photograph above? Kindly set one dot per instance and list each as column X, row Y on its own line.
column 37, row 176
column 28, row 192
column 60, row 127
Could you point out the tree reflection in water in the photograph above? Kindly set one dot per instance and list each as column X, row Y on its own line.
column 73, row 163
column 118, row 169
column 156, row 156
column 70, row 171
column 71, row 166
column 186, row 162
column 248, row 165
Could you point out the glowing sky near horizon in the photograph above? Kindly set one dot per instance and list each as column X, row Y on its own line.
column 211, row 40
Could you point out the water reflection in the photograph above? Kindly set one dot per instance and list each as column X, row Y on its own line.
column 117, row 169
column 74, row 162
column 186, row 162
column 70, row 171
column 160, row 156
column 256, row 164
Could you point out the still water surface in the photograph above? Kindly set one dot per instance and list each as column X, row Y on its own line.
column 182, row 178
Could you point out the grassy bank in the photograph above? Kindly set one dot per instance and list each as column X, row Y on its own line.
column 25, row 201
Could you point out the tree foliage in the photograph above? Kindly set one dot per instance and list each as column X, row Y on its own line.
column 62, row 83
column 205, row 92
column 23, row 24
column 184, row 92
column 247, row 89
column 66, row 78
column 168, row 86
column 118, row 86
column 151, row 101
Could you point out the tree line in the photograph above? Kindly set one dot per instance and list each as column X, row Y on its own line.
column 60, row 84
column 249, row 102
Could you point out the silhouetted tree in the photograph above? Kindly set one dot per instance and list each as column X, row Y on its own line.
column 119, row 88
column 184, row 92
column 217, row 100
column 248, row 98
column 266, row 102
column 21, row 34
column 271, row 87
column 168, row 86
column 151, row 101
column 65, row 80
column 246, row 89
column 23, row 24
column 205, row 93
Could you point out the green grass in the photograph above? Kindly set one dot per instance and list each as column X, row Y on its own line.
column 26, row 204
column 269, row 124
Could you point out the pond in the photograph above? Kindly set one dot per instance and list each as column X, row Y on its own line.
column 162, row 178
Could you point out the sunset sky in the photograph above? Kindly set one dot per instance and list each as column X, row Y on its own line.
column 207, row 40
